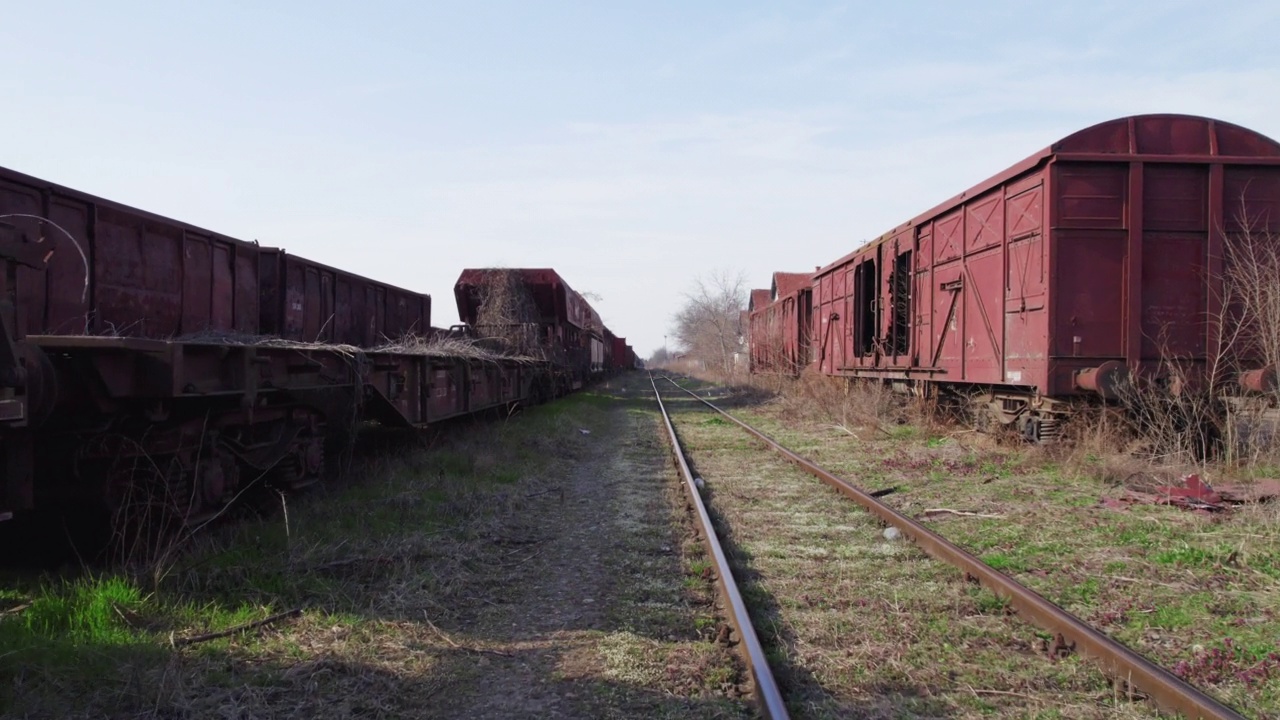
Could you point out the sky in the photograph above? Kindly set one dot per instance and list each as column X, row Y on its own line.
column 633, row 146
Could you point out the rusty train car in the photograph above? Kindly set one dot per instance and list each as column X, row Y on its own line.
column 621, row 356
column 560, row 323
column 779, row 324
column 1096, row 261
column 545, row 319
column 142, row 356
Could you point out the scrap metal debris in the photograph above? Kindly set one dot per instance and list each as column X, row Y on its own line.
column 1192, row 493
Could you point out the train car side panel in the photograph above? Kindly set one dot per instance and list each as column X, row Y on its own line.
column 309, row 302
column 138, row 279
column 60, row 303
column 1026, row 284
column 983, row 341
column 1172, row 262
column 1089, row 230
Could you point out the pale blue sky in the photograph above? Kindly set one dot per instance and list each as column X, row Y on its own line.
column 632, row 146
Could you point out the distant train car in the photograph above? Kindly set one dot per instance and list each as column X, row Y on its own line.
column 1094, row 260
column 622, row 355
column 779, row 324
column 535, row 310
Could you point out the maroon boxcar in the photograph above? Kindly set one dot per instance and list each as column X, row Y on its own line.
column 760, row 333
column 133, row 371
column 118, row 271
column 1098, row 257
column 305, row 301
column 779, row 328
column 621, row 355
column 610, row 343
column 569, row 332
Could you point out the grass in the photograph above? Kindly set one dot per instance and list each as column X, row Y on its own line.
column 86, row 611
column 408, row 575
column 1168, row 582
column 859, row 624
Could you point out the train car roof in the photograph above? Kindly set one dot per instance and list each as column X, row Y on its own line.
column 759, row 298
column 1165, row 137
column 785, row 283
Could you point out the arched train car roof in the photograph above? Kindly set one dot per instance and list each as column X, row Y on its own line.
column 1157, row 138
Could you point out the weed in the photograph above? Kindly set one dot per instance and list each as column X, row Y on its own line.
column 1004, row 562
column 1230, row 661
column 1186, row 555
column 1158, row 578
column 989, row 603
column 87, row 611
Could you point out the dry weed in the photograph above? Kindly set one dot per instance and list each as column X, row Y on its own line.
column 854, row 620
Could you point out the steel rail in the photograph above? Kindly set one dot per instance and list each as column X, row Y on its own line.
column 766, row 689
column 1162, row 687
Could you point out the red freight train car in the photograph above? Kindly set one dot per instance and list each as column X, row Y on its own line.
column 621, row 357
column 309, row 302
column 761, row 333
column 779, row 324
column 138, row 352
column 117, row 270
column 1098, row 257
column 569, row 332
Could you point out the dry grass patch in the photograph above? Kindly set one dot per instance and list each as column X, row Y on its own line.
column 458, row 568
column 861, row 626
column 1196, row 593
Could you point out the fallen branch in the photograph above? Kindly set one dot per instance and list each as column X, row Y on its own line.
column 980, row 691
column 961, row 513
column 179, row 642
column 126, row 620
column 548, row 490
column 451, row 642
column 846, row 430
column 340, row 563
column 1176, row 586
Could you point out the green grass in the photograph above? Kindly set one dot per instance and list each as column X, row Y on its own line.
column 1083, row 593
column 1169, row 617
column 1004, row 562
column 1159, row 578
column 423, row 530
column 1188, row 555
column 334, row 564
column 989, row 603
column 86, row 611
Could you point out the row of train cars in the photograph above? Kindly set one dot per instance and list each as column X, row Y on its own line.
column 143, row 357
column 1098, row 264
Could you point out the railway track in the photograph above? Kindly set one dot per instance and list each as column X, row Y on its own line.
column 1129, row 672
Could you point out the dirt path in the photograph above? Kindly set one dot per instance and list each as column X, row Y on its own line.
column 591, row 614
column 535, row 566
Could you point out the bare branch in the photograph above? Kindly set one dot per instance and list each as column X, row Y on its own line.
column 711, row 325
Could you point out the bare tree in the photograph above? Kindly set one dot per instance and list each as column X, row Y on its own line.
column 1190, row 407
column 1250, row 319
column 1252, row 285
column 711, row 325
